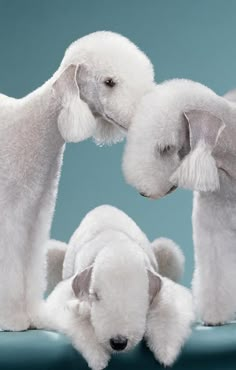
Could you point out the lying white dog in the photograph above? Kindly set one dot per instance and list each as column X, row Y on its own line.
column 112, row 294
column 94, row 93
column 184, row 135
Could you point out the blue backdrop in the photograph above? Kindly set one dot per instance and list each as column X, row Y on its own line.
column 185, row 38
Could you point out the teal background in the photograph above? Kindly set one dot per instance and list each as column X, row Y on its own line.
column 184, row 38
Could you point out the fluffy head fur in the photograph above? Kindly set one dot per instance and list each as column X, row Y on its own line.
column 231, row 95
column 172, row 137
column 130, row 287
column 106, row 55
column 126, row 286
column 116, row 288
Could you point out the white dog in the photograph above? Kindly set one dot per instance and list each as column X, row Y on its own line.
column 94, row 93
column 112, row 294
column 184, row 135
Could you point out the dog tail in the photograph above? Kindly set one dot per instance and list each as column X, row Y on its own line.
column 231, row 95
column 169, row 257
column 55, row 252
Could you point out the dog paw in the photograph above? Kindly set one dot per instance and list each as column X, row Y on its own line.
column 17, row 322
column 99, row 360
column 214, row 319
column 166, row 357
column 213, row 324
column 216, row 314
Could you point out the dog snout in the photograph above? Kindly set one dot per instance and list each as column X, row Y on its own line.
column 118, row 343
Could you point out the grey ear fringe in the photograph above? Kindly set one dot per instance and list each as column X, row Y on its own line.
column 198, row 170
column 75, row 122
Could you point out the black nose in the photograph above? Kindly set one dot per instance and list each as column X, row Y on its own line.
column 144, row 195
column 173, row 188
column 118, row 343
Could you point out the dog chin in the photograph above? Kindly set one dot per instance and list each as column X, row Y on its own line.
column 107, row 133
column 164, row 194
column 152, row 196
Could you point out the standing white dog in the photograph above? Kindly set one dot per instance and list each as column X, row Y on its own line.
column 112, row 294
column 94, row 93
column 184, row 135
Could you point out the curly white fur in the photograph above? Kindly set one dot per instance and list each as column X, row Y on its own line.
column 55, row 255
column 168, row 322
column 170, row 258
column 74, row 104
column 112, row 291
column 184, row 135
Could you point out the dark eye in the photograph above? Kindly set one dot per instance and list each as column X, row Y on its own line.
column 165, row 150
column 109, row 82
column 95, row 296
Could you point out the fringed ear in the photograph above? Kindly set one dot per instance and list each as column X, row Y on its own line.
column 75, row 121
column 198, row 170
column 107, row 132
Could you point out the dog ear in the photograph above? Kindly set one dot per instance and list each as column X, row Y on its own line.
column 81, row 282
column 198, row 170
column 89, row 86
column 154, row 285
column 75, row 121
